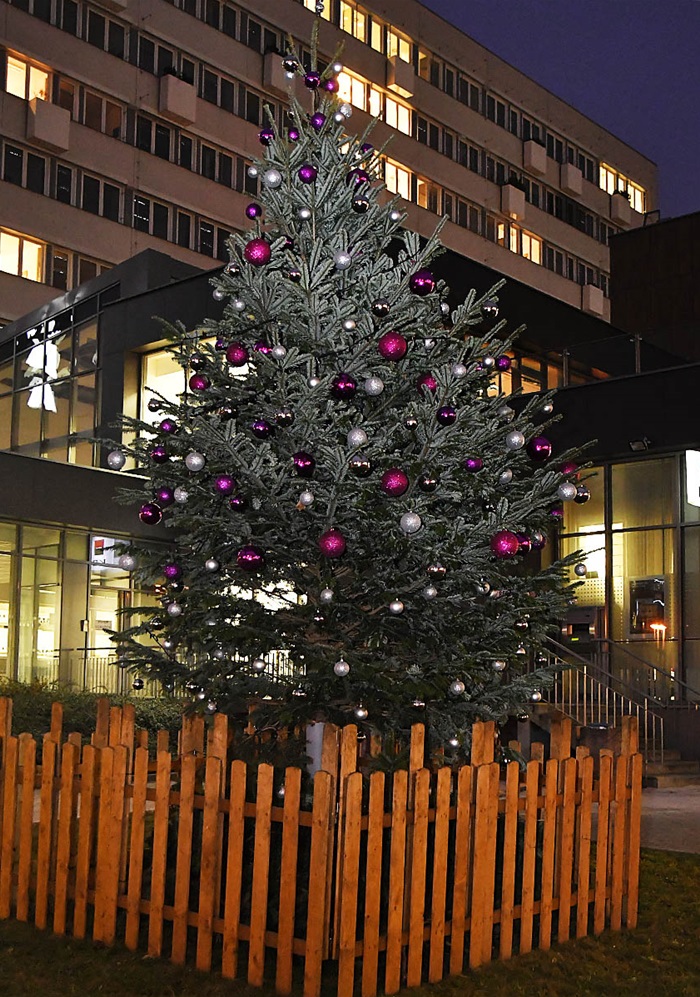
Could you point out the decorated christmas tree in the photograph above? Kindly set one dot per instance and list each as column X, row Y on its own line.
column 356, row 514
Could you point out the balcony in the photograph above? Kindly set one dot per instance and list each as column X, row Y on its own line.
column 571, row 181
column 513, row 201
column 177, row 100
column 535, row 158
column 48, row 125
column 400, row 78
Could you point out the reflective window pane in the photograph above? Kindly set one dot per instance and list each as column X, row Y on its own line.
column 588, row 516
column 644, row 493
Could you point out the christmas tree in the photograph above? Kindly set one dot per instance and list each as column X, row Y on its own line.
column 355, row 511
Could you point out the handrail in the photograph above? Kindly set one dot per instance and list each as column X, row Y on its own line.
column 648, row 664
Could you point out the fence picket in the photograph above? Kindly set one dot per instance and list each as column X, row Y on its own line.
column 397, row 868
column 548, row 850
column 483, row 884
column 43, row 854
column 26, row 822
column 69, row 764
column 601, row 851
column 584, row 846
column 100, row 738
column 350, row 847
column 566, row 849
column 136, row 848
column 86, row 834
column 56, row 729
column 416, row 887
column 160, row 852
column 321, row 816
column 373, row 885
column 527, row 903
column 109, row 837
column 635, row 821
column 347, row 765
column 288, row 879
column 439, row 897
column 183, row 862
column 510, row 844
column 461, row 870
column 261, row 867
column 234, row 870
column 617, row 882
column 9, row 810
column 208, row 864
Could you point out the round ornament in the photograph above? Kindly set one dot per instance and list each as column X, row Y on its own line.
column 357, row 177
column 290, row 65
column 436, row 571
column 430, row 592
column 314, row 382
column 537, row 540
column 272, row 178
column 238, row 503
column 568, row 467
column 342, row 260
column 284, row 418
column 154, row 405
column 331, row 86
column 262, row 429
column 459, row 370
column 304, row 214
column 224, row 484
column 580, row 570
column 307, row 498
column 396, row 607
column 253, row 211
column 304, row 463
column 265, row 136
column 567, row 491
column 137, row 684
column 278, row 352
column 317, row 121
column 312, row 80
column 116, row 460
column 293, row 134
column 181, row 495
column 524, row 543
column 360, row 204
column 582, row 495
column 506, row 413
column 430, row 343
column 238, row 305
column 341, row 668
column 199, row 382
column 361, row 712
column 548, row 408
column 307, row 173
column 505, row 477
column 539, row 449
column 427, row 482
column 381, row 307
column 410, row 522
column 168, row 426
column 218, row 294
column 237, row 354
column 374, row 386
column 356, row 437
column 349, row 324
column 499, row 665
column 332, row 543
column 253, row 172
column 410, row 422
column 473, row 464
column 345, row 110
column 250, row 558
column 194, row 462
column 536, row 697
column 127, row 562
column 159, row 455
column 503, row 362
column 173, row 609
column 394, row 482
column 258, row 665
column 457, row 687
column 198, row 361
column 150, row 513
column 360, row 465
column 211, row 564
column 447, row 415
column 343, row 387
column 325, row 596
column 257, row 252
column 392, row 346
column 515, row 440
column 489, row 308
column 422, row 282
column 232, row 269
column 294, row 276
column 172, row 571
column 505, row 544
column 427, row 382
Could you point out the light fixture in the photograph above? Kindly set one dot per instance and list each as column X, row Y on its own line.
column 639, row 445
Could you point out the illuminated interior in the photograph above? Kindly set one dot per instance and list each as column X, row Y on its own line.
column 26, row 80
column 611, row 181
column 21, row 256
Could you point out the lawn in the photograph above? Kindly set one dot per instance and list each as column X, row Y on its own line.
column 660, row 958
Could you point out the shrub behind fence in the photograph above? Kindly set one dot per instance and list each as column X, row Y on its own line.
column 371, row 881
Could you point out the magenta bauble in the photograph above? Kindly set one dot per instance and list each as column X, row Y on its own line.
column 261, row 347
column 539, row 449
column 165, row 496
column 250, row 558
column 317, row 121
column 237, row 354
column 304, row 464
column 293, row 134
column 307, row 173
column 524, row 543
column 199, row 382
column 428, row 382
column 238, row 502
column 253, row 211
column 343, row 387
column 332, row 543
column 224, row 484
column 357, row 176
column 265, row 136
column 568, row 467
column 168, row 426
column 447, row 415
column 473, row 464
column 505, row 544
column 262, row 429
column 312, row 80
column 392, row 346
column 172, row 571
column 258, row 252
column 159, row 455
column 422, row 282
column 331, row 86
column 503, row 362
column 366, row 147
column 394, row 482
column 150, row 513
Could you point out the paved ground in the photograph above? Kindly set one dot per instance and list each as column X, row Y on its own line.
column 671, row 819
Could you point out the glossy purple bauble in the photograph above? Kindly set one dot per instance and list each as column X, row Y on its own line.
column 539, row 449
column 304, row 464
column 331, row 86
column 293, row 134
column 422, row 282
column 312, row 80
column 317, row 121
column 394, row 482
column 224, row 484
column 503, row 362
column 199, row 382
column 265, row 136
column 332, row 543
column 262, row 429
column 168, row 426
column 237, row 354
column 257, row 252
column 262, row 347
column 392, row 346
column 537, row 540
column 172, row 571
column 253, row 211
column 357, row 176
column 568, row 467
column 307, row 173
column 159, row 455
column 524, row 543
column 505, row 544
column 165, row 496
column 447, row 415
column 150, row 513
column 250, row 558
column 473, row 464
column 366, row 147
column 238, row 502
column 557, row 512
column 428, row 382
column 343, row 387
column 220, row 344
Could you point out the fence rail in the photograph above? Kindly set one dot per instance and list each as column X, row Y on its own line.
column 377, row 880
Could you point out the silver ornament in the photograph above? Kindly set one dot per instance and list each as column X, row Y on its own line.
column 258, row 665
column 459, row 370
column 116, row 460
column 567, row 491
column 521, row 649
column 499, row 666
column 444, row 308
column 218, row 294
column 201, row 694
column 253, row 171
column 357, row 438
column 325, row 596
column 239, row 305
column 211, row 706
column 314, row 382
column 395, row 216
column 349, row 324
column 410, row 522
column 361, row 712
column 580, row 570
column 195, row 461
column 341, row 668
column 396, row 607
column 127, row 562
column 279, row 352
column 336, row 68
column 457, row 687
column 307, row 498
column 218, row 653
column 211, row 564
column 181, row 495
column 453, row 742
column 272, row 178
column 304, row 214
column 515, row 440
column 169, row 644
column 536, row 696
column 430, row 592
column 342, row 260
column 429, row 343
column 505, row 477
column 547, row 408
column 280, row 792
column 374, row 386
column 489, row 362
column 338, row 118
column 418, row 703
column 345, row 110
column 173, row 609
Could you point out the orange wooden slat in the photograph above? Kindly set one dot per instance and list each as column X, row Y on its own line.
column 484, row 866
column 560, row 739
column 630, row 735
column 532, row 780
column 416, row 887
column 537, row 752
column 601, row 859
column 9, row 813
column 69, row 765
column 397, row 867
column 110, row 829
column 462, row 866
column 347, row 765
column 209, row 863
column 261, row 869
column 234, row 870
column 101, row 736
column 288, row 880
column 483, row 743
column 183, row 863
column 5, row 718
column 321, row 817
column 350, row 846
column 617, row 881
column 115, row 726
column 160, row 852
column 56, row 729
column 584, row 845
column 86, row 832
column 566, row 849
column 548, row 847
column 633, row 847
column 510, row 844
column 416, row 759
column 26, row 825
column 162, row 741
column 46, row 818
column 373, row 885
column 136, row 849
column 439, row 897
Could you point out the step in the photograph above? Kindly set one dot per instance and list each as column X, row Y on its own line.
column 672, row 767
column 670, row 755
column 668, row 781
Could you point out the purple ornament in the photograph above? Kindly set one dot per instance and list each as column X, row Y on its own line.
column 312, row 80
column 524, row 543
column 332, row 543
column 503, row 363
column 343, row 387
column 220, row 344
column 172, row 571
column 304, row 464
column 150, row 513
column 505, row 544
column 537, row 540
column 392, row 346
column 568, row 467
column 331, row 85
column 224, row 484
column 199, row 382
column 473, row 464
column 265, row 136
column 262, row 429
column 261, row 347
column 556, row 512
column 582, row 495
column 428, row 382
column 394, row 482
column 307, row 173
column 253, row 211
column 357, row 176
column 238, row 502
column 447, row 415
column 159, row 455
column 317, row 121
column 165, row 496
column 366, row 147
column 168, row 426
column 250, row 558
column 288, row 242
column 422, row 282
column 237, row 354
column 539, row 449
column 258, row 252
column 293, row 134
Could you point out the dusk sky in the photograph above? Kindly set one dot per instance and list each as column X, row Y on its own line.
column 631, row 65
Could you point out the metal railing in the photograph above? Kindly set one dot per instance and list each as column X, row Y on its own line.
column 645, row 677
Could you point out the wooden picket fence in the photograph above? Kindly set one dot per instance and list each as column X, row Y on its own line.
column 362, row 882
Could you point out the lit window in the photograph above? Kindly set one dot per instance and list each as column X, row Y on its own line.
column 531, row 247
column 344, row 87
column 611, row 181
column 25, row 80
column 501, row 234
column 359, row 94
column 514, row 233
column 377, row 35
column 21, row 256
column 397, row 45
column 375, row 102
column 353, row 20
column 397, row 115
column 326, row 13
column 397, row 179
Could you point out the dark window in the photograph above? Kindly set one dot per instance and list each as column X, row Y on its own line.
column 190, row 7
column 433, row 136
column 42, row 10
column 68, row 17
column 421, row 130
column 580, row 273
column 591, row 277
column 500, row 114
column 252, row 108
column 185, row 152
column 59, row 271
column 184, row 224
column 490, row 111
column 209, row 86
column 489, row 168
column 447, row 204
column 463, row 90
column 115, row 41
column 222, row 237
column 225, row 170
column 527, row 129
column 449, row 82
column 513, row 122
column 66, row 96
column 536, row 133
column 500, row 173
column 110, row 202
column 558, row 150
column 435, row 73
column 559, row 263
column 462, row 214
column 166, row 60
column 474, row 219
column 96, row 29
column 14, row 159
column 250, row 184
column 211, row 13
column 162, row 143
column 208, row 162
column 64, row 184
column 142, row 213
column 36, row 173
column 228, row 22
column 147, row 55
column 462, row 153
column 550, row 146
column 254, row 36
column 227, row 92
column 535, row 194
column 206, row 238
column 448, row 144
column 474, row 95
column 91, row 195
column 474, row 160
column 569, row 268
column 93, row 112
column 87, row 270
column 269, row 41
column 143, row 133
column 160, row 220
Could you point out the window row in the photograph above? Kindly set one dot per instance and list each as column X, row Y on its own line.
column 25, row 256
column 615, row 183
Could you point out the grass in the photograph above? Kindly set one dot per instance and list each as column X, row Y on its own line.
column 660, row 958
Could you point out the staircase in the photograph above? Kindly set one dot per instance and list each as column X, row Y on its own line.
column 671, row 772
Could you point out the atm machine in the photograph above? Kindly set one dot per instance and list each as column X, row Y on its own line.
column 582, row 629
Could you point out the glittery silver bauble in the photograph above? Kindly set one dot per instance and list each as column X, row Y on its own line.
column 338, row 118
column 483, row 588
column 258, row 664
column 361, row 712
column 430, row 592
column 345, row 110
column 127, row 562
column 515, row 440
column 521, row 649
column 342, row 260
column 181, row 495
column 536, row 697
column 506, row 413
column 201, row 694
column 238, row 305
column 505, row 477
column 396, row 607
column 314, row 382
column 357, row 438
column 173, row 609
column 457, row 687
column 566, row 491
column 218, row 653
column 272, row 178
column 169, row 644
column 116, row 460
column 410, row 522
column 304, row 214
column 337, row 67
column 444, row 308
column 341, row 668
column 547, row 408
column 194, row 461
column 374, row 386
column 218, row 294
column 279, row 352
column 253, row 171
column 349, row 324
column 307, row 498
column 453, row 742
column 395, row 216
column 489, row 362
column 325, row 596
column 580, row 570
column 459, row 370
column 429, row 343
column 211, row 564
column 499, row 665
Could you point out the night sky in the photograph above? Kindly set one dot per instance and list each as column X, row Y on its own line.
column 633, row 66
